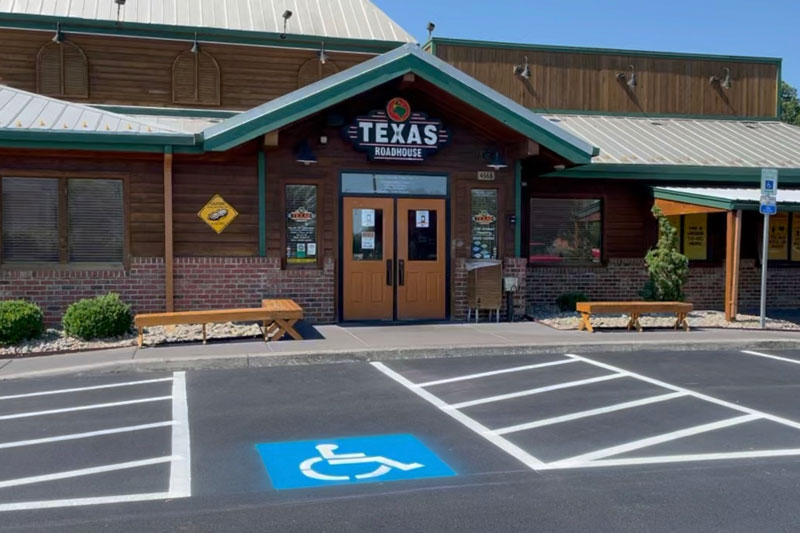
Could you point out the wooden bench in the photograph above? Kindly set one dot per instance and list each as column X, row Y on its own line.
column 634, row 310
column 278, row 316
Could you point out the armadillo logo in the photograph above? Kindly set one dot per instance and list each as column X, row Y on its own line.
column 397, row 133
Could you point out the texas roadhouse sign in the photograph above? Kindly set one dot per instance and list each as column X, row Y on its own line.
column 397, row 133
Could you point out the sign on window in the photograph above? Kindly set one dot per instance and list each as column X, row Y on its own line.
column 301, row 224
column 779, row 236
column 695, row 237
column 484, row 224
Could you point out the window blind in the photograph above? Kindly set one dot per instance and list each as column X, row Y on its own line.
column 30, row 220
column 96, row 220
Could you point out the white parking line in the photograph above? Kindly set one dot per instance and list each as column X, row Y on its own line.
column 83, row 472
column 77, row 502
column 90, row 434
column 530, row 392
column 81, row 389
column 512, row 449
column 84, row 408
column 768, row 356
column 496, row 372
column 711, row 399
column 661, row 459
column 589, row 413
column 180, row 478
column 658, row 439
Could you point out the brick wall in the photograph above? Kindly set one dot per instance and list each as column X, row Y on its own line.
column 200, row 283
column 621, row 279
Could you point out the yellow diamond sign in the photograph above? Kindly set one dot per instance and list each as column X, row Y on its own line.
column 218, row 213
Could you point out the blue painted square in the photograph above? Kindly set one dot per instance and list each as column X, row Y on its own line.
column 347, row 461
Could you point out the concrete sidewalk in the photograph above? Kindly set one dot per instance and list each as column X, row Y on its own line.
column 334, row 343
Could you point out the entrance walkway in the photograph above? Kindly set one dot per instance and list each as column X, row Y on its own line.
column 337, row 343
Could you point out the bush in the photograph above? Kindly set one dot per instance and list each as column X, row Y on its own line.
column 19, row 321
column 95, row 318
column 667, row 267
column 567, row 300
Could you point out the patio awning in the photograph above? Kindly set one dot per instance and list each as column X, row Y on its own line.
column 723, row 199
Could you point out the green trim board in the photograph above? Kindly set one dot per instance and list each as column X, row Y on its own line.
column 518, row 208
column 589, row 50
column 187, row 33
column 58, row 137
column 376, row 71
column 673, row 173
column 166, row 111
column 706, row 200
column 262, row 206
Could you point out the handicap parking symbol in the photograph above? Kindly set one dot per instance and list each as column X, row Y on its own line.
column 345, row 461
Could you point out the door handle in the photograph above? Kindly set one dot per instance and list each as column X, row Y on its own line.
column 389, row 272
column 401, row 274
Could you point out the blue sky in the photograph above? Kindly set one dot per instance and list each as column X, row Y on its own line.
column 768, row 28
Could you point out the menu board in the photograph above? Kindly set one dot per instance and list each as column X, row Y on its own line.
column 301, row 224
column 695, row 237
column 483, row 213
column 779, row 236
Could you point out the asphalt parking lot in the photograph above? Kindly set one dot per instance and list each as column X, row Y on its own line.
column 694, row 441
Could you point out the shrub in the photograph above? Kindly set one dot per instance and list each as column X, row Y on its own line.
column 94, row 318
column 566, row 301
column 667, row 267
column 19, row 321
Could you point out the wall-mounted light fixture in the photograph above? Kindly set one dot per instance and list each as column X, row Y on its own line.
column 304, row 154
column 195, row 46
column 58, row 38
column 494, row 159
column 523, row 70
column 725, row 81
column 286, row 16
column 630, row 76
column 323, row 55
column 119, row 3
column 431, row 26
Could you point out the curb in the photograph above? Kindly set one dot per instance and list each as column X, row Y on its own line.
column 242, row 361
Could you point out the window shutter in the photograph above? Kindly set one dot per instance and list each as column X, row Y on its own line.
column 30, row 220
column 76, row 72
column 208, row 80
column 96, row 220
column 183, row 79
column 48, row 70
column 312, row 71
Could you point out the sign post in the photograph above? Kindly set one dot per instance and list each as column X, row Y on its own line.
column 769, row 206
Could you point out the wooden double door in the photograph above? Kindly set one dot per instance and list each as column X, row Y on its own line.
column 394, row 259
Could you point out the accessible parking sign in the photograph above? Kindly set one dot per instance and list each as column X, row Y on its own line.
column 352, row 460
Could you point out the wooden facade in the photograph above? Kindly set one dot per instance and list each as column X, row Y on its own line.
column 583, row 80
column 139, row 72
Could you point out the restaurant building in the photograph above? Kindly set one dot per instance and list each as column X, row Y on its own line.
column 213, row 158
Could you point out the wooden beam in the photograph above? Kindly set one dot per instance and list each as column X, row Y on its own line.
column 670, row 208
column 169, row 250
column 729, row 254
column 271, row 139
column 737, row 252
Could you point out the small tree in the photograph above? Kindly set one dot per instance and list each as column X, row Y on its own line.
column 667, row 267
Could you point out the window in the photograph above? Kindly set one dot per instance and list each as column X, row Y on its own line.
column 565, row 231
column 784, row 237
column 403, row 184
column 196, row 79
column 483, row 224
column 692, row 235
column 90, row 230
column 367, row 234
column 301, row 224
column 422, row 235
column 62, row 70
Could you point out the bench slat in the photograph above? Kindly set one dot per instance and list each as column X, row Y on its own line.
column 634, row 307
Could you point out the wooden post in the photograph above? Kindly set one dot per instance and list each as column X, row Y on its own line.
column 737, row 247
column 729, row 260
column 169, row 259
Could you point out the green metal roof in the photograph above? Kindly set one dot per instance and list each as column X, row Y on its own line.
column 28, row 118
column 391, row 65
